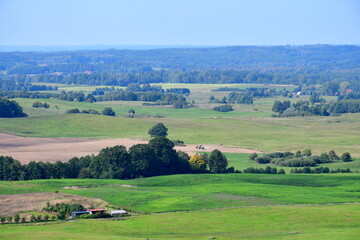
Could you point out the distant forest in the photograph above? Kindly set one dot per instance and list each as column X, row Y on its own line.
column 313, row 64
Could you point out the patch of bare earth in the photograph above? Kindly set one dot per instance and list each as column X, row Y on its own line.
column 17, row 203
column 26, row 149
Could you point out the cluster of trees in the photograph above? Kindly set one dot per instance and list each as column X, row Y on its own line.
column 10, row 84
column 10, row 109
column 306, row 108
column 107, row 111
column 257, row 92
column 63, row 209
column 38, row 104
column 299, row 159
column 319, row 170
column 223, row 108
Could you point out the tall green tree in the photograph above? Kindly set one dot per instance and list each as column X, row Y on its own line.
column 217, row 162
column 158, row 130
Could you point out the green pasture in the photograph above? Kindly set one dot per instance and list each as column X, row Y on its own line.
column 241, row 161
column 319, row 134
column 203, row 191
column 280, row 222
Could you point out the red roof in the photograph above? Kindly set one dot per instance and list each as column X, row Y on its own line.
column 95, row 210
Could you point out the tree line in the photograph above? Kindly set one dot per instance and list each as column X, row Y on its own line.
column 316, row 106
column 299, row 159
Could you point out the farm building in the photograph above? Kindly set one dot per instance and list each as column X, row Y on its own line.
column 88, row 211
column 117, row 213
column 76, row 214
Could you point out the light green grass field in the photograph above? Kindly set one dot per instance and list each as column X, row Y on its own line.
column 320, row 134
column 204, row 191
column 282, row 222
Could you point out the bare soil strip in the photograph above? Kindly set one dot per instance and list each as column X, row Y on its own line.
column 26, row 149
column 16, row 203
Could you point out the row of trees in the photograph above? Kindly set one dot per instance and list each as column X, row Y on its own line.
column 317, row 107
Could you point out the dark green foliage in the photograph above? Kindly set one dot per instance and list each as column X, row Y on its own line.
column 253, row 156
column 9, row 219
column 217, row 162
column 288, row 159
column 280, row 107
column 90, row 111
column 2, row 219
column 64, row 208
column 267, row 170
column 40, row 105
column 223, row 108
column 10, row 109
column 71, row 111
column 158, row 130
column 32, row 218
column 319, row 170
column 108, row 111
column 46, row 217
column 17, row 218
column 333, row 156
column 346, row 157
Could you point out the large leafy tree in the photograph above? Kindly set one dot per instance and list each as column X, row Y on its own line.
column 165, row 153
column 158, row 130
column 217, row 162
column 10, row 109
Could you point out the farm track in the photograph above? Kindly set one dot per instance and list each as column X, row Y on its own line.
column 26, row 149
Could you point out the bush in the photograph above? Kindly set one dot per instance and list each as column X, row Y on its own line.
column 71, row 111
column 223, row 108
column 108, row 111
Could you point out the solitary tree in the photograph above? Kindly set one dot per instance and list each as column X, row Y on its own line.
column 346, row 157
column 158, row 130
column 217, row 162
column 131, row 113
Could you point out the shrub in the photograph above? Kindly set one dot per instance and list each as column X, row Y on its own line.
column 71, row 111
column 223, row 108
column 108, row 111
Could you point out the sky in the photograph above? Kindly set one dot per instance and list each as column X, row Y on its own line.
column 179, row 22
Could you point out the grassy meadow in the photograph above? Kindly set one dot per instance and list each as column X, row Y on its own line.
column 249, row 126
column 203, row 191
column 225, row 206
column 202, row 206
column 280, row 222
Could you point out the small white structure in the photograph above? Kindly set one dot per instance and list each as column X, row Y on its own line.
column 118, row 213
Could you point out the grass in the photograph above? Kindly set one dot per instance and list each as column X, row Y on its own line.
column 283, row 222
column 319, row 134
column 241, row 161
column 204, row 191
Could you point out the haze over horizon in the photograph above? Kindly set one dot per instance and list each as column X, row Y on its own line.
column 178, row 23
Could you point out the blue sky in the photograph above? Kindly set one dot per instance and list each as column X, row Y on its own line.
column 179, row 22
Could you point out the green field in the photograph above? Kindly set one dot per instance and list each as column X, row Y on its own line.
column 238, row 206
column 202, row 206
column 204, row 191
column 313, row 222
